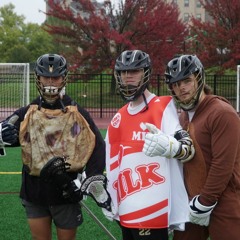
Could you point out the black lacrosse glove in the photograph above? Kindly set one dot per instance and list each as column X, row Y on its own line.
column 55, row 170
column 9, row 132
column 72, row 192
column 186, row 150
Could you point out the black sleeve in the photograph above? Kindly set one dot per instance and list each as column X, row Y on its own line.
column 96, row 163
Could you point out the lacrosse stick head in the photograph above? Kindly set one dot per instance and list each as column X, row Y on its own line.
column 96, row 187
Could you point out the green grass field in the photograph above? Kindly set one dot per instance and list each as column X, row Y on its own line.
column 13, row 222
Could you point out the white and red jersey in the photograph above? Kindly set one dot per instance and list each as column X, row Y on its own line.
column 147, row 192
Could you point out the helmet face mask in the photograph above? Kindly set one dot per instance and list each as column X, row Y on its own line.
column 182, row 68
column 130, row 61
column 49, row 92
column 51, row 67
column 191, row 102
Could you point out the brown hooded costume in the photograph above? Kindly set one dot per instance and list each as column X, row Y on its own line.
column 214, row 172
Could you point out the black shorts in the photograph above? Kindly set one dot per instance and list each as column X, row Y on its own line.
column 144, row 233
column 66, row 216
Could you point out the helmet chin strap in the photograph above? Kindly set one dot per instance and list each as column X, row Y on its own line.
column 63, row 108
column 62, row 105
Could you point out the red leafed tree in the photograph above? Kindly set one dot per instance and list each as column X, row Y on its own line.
column 96, row 36
column 219, row 39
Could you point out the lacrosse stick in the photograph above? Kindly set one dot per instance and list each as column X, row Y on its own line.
column 91, row 214
column 96, row 187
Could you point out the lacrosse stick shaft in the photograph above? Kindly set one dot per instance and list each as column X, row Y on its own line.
column 91, row 214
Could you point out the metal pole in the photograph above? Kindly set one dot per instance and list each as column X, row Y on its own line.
column 91, row 214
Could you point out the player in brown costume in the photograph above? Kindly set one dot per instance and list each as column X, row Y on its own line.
column 212, row 178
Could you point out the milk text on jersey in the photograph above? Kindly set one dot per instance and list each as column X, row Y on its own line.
column 139, row 136
column 147, row 176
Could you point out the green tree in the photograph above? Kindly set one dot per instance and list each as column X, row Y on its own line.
column 219, row 39
column 21, row 42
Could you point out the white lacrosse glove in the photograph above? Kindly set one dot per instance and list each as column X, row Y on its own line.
column 198, row 213
column 159, row 144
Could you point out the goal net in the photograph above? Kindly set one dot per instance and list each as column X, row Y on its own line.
column 14, row 87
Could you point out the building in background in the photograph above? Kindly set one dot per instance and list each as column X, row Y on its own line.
column 190, row 8
column 74, row 6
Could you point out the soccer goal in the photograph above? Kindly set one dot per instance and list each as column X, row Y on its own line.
column 14, row 87
column 238, row 88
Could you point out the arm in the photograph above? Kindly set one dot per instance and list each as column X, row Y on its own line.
column 159, row 144
column 223, row 158
column 220, row 149
column 96, row 163
column 55, row 170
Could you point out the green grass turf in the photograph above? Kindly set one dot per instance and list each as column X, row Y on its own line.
column 13, row 222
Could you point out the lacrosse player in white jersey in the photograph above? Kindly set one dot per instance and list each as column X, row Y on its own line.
column 144, row 163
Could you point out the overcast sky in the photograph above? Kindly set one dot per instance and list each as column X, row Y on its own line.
column 31, row 9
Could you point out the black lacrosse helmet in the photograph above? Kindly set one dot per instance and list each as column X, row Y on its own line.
column 132, row 60
column 181, row 68
column 52, row 66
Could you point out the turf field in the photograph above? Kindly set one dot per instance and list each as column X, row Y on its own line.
column 13, row 223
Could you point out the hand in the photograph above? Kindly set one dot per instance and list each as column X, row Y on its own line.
column 198, row 213
column 71, row 191
column 186, row 151
column 55, row 171
column 159, row 144
column 8, row 131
